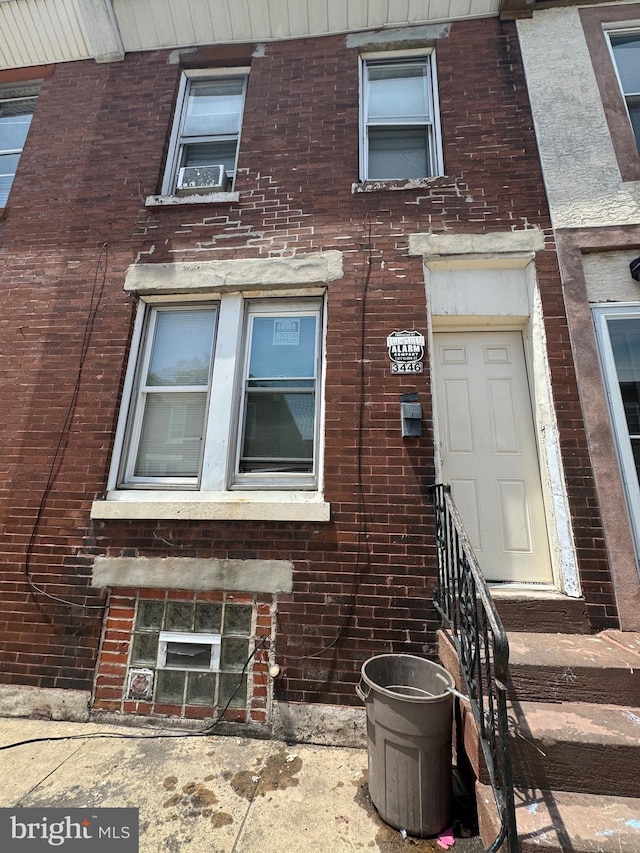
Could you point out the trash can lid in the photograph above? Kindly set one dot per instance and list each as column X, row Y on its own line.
column 407, row 677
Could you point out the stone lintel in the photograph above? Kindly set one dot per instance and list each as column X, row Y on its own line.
column 229, row 275
column 270, row 576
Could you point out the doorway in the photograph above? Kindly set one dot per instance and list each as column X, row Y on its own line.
column 489, row 454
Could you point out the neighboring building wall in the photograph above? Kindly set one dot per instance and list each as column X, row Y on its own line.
column 591, row 170
column 76, row 221
column 581, row 171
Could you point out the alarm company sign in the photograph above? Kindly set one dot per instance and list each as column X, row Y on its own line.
column 406, row 351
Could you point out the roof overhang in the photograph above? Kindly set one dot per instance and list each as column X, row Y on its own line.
column 49, row 31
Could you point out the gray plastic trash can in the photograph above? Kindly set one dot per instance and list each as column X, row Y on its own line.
column 409, row 720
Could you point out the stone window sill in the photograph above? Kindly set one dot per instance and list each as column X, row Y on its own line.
column 182, row 200
column 395, row 186
column 213, row 506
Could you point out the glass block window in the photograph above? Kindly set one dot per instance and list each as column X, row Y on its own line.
column 197, row 650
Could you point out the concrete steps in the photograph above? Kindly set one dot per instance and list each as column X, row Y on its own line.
column 575, row 668
column 574, row 713
column 573, row 746
column 552, row 821
column 541, row 613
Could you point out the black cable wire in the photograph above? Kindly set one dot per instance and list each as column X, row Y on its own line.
column 160, row 736
column 260, row 645
column 64, row 433
column 362, row 521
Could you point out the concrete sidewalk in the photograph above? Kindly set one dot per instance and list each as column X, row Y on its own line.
column 215, row 794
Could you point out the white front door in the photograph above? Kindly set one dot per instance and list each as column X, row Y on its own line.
column 489, row 453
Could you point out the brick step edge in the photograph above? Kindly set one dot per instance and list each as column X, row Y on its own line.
column 554, row 821
column 575, row 668
column 569, row 746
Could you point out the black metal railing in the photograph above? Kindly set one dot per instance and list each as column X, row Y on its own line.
column 468, row 613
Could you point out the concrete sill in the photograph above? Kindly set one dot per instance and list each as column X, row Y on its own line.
column 182, row 200
column 394, row 186
column 213, row 506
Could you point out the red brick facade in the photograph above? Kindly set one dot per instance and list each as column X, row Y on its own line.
column 76, row 220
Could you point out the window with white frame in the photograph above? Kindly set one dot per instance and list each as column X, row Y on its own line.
column 203, row 150
column 225, row 395
column 618, row 335
column 399, row 123
column 16, row 111
column 625, row 47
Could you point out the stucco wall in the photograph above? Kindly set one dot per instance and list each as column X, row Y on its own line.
column 581, row 172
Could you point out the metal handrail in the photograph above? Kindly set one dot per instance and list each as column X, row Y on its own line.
column 466, row 607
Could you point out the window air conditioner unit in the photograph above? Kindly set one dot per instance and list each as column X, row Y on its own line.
column 202, row 179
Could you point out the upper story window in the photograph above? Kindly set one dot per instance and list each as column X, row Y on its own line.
column 16, row 111
column 224, row 394
column 203, row 150
column 626, row 54
column 399, row 123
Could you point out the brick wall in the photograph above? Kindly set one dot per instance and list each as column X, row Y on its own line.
column 76, row 220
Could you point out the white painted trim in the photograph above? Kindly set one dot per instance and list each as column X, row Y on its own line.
column 216, row 472
column 410, row 53
column 127, row 396
column 556, row 499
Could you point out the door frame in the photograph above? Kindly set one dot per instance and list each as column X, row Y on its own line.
column 498, row 291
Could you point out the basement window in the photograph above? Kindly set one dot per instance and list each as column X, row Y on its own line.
column 196, row 651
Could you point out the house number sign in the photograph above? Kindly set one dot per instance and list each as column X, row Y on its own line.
column 406, row 351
